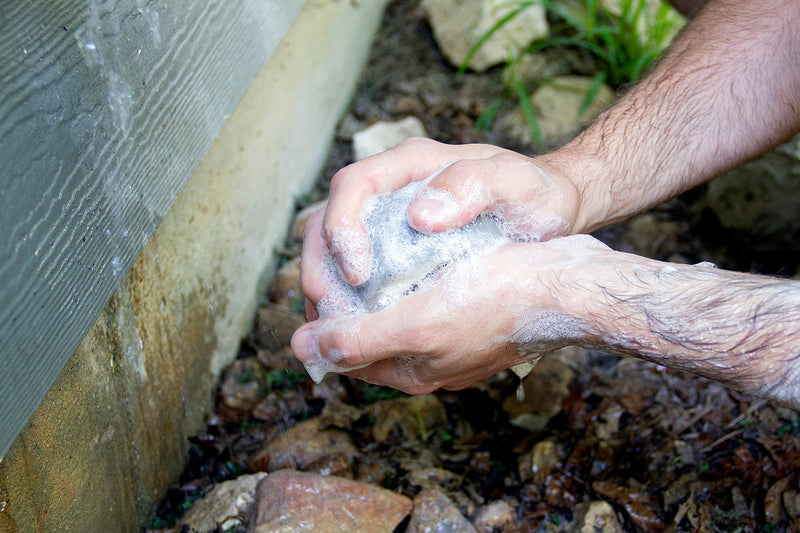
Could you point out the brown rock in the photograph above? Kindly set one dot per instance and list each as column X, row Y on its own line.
column 544, row 390
column 496, row 516
column 224, row 506
column 301, row 218
column 275, row 326
column 433, row 511
column 243, row 384
column 286, row 289
column 415, row 418
column 309, row 446
column 600, row 518
column 289, row 501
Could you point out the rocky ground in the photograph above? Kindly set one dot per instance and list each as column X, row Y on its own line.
column 598, row 443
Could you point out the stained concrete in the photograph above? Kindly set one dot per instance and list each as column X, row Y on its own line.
column 111, row 434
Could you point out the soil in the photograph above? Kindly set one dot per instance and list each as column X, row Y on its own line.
column 670, row 451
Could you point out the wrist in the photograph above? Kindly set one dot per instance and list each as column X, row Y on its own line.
column 591, row 177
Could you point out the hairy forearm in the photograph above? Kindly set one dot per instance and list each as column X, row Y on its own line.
column 739, row 329
column 727, row 90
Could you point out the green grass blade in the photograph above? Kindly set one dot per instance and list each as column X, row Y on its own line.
column 530, row 114
column 591, row 94
column 508, row 17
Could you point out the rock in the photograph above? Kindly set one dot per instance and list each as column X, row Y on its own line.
column 459, row 24
column 382, row 136
column 544, row 458
column 495, row 516
column 433, row 478
column 544, row 390
column 773, row 501
column 434, row 512
column 414, row 418
column 280, row 406
column 558, row 104
column 224, row 505
column 760, row 198
column 286, row 289
column 791, row 502
column 302, row 216
column 242, row 384
column 275, row 326
column 309, row 446
column 600, row 518
column 290, row 502
column 648, row 234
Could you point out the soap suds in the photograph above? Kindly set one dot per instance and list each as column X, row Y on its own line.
column 404, row 261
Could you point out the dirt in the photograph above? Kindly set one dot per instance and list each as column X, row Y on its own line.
column 669, row 451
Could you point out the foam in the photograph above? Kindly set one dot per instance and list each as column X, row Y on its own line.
column 404, row 261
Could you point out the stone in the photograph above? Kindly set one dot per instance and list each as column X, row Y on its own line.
column 286, row 289
column 434, row 512
column 242, row 384
column 382, row 136
column 791, row 502
column 558, row 109
column 459, row 24
column 298, row 502
column 414, row 418
column 544, row 390
column 760, row 198
column 495, row 516
column 545, row 457
column 600, row 518
column 301, row 218
column 309, row 446
column 275, row 326
column 225, row 505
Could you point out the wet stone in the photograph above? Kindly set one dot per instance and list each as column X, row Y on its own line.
column 286, row 289
column 289, row 502
column 600, row 518
column 495, row 517
column 243, row 384
column 224, row 506
column 434, row 512
column 544, row 391
column 275, row 326
column 309, row 446
column 415, row 418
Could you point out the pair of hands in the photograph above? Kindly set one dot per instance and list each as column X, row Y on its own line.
column 483, row 316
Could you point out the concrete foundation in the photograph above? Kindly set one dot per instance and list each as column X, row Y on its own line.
column 111, row 434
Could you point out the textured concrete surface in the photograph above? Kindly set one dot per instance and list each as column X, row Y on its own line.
column 110, row 435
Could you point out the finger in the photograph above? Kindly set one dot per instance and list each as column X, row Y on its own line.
column 313, row 260
column 402, row 329
column 398, row 373
column 454, row 197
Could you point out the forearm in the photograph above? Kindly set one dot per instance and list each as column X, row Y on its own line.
column 727, row 90
column 739, row 329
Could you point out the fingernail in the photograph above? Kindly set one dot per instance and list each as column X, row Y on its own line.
column 305, row 344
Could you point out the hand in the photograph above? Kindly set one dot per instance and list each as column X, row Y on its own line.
column 531, row 197
column 483, row 315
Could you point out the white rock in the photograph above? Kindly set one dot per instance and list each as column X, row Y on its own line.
column 600, row 518
column 459, row 24
column 224, row 506
column 382, row 136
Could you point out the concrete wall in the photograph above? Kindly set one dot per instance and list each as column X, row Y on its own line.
column 110, row 436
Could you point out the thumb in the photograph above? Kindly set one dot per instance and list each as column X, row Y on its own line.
column 452, row 199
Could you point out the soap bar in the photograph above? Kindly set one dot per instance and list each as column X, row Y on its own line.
column 404, row 258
